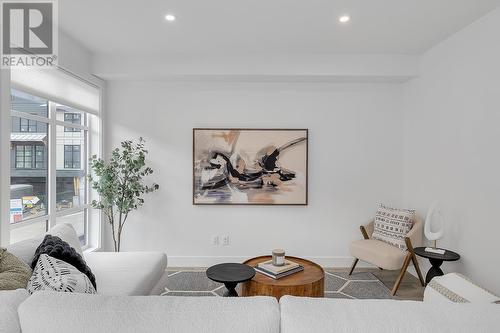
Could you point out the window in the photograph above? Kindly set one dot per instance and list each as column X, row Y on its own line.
column 71, row 156
column 30, row 157
column 48, row 193
column 44, row 131
column 23, row 157
column 39, row 157
column 74, row 118
column 27, row 125
column 24, row 103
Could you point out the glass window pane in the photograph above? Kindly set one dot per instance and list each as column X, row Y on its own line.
column 39, row 157
column 78, row 220
column 29, row 165
column 71, row 182
column 72, row 116
column 24, row 102
column 31, row 230
column 28, row 181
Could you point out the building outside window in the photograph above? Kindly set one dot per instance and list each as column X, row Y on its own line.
column 72, row 156
column 44, row 131
column 30, row 156
column 74, row 118
column 23, row 157
column 39, row 157
column 27, row 125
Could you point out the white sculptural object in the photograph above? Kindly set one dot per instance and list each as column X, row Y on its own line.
column 434, row 223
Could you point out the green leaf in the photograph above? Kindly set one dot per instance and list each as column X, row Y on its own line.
column 119, row 181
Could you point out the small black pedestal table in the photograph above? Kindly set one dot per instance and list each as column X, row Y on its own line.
column 436, row 261
column 230, row 274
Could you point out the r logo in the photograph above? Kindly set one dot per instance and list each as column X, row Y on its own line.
column 28, row 27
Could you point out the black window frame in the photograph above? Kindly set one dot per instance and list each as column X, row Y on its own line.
column 74, row 118
column 30, row 126
column 31, row 160
column 39, row 160
column 70, row 152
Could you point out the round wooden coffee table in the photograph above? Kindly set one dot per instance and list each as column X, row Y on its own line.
column 310, row 282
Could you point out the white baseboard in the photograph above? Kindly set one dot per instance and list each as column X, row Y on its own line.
column 206, row 261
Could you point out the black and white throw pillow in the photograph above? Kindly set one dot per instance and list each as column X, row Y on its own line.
column 55, row 247
column 391, row 225
column 57, row 275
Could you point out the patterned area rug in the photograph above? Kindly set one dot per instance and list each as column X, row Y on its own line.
column 361, row 285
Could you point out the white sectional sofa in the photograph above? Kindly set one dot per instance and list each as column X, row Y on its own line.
column 126, row 273
column 123, row 273
column 45, row 312
column 78, row 313
column 120, row 307
column 303, row 315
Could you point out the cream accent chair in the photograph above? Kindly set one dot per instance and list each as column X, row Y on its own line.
column 386, row 256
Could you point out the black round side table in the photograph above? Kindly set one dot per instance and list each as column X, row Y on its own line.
column 436, row 261
column 230, row 274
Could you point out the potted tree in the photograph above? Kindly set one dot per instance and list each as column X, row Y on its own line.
column 120, row 185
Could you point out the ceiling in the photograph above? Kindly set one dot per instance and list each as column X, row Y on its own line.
column 212, row 27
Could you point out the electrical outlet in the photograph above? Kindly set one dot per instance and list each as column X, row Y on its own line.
column 225, row 240
column 215, row 240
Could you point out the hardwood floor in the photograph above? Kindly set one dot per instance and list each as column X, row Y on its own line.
column 410, row 288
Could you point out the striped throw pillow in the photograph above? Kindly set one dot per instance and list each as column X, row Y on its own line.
column 391, row 225
column 57, row 275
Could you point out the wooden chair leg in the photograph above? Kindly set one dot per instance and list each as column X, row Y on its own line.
column 409, row 246
column 354, row 263
column 401, row 273
column 417, row 268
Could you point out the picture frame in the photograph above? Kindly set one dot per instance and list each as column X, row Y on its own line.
column 250, row 166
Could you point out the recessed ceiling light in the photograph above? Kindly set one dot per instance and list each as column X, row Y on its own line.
column 170, row 17
column 344, row 19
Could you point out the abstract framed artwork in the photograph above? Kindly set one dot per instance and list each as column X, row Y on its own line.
column 246, row 166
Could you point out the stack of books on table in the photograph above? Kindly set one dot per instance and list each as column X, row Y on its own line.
column 276, row 272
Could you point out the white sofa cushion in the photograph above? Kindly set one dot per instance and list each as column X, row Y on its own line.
column 454, row 287
column 25, row 250
column 67, row 233
column 303, row 315
column 126, row 273
column 9, row 302
column 108, row 314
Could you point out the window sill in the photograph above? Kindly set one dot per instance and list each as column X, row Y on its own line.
column 90, row 249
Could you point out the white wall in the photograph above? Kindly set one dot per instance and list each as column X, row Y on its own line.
column 354, row 163
column 262, row 67
column 73, row 56
column 451, row 151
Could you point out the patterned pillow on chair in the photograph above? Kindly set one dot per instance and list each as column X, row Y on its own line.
column 391, row 225
column 57, row 275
